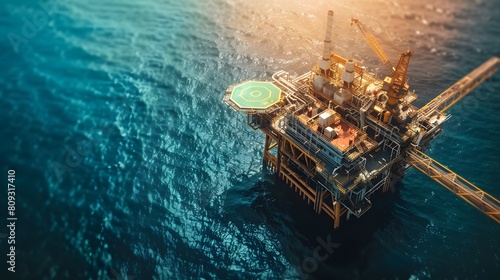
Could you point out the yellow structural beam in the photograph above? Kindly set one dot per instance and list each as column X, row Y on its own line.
column 464, row 189
column 460, row 89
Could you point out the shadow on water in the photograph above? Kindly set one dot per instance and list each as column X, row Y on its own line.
column 308, row 241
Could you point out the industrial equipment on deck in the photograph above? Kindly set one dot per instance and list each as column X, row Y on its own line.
column 337, row 134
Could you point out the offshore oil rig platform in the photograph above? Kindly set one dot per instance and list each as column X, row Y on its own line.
column 337, row 134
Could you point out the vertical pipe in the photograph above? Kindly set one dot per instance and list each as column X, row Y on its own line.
column 278, row 159
column 266, row 147
column 324, row 64
column 336, row 223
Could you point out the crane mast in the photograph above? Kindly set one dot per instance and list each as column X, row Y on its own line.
column 399, row 81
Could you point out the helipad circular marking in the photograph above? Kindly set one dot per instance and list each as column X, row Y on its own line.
column 246, row 94
column 255, row 95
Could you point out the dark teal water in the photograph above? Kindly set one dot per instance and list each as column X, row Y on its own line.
column 129, row 166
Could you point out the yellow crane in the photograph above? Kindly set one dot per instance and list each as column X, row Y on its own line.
column 397, row 85
column 370, row 39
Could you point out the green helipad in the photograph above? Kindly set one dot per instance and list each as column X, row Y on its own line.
column 255, row 95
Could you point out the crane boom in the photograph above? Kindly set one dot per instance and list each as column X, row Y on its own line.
column 374, row 44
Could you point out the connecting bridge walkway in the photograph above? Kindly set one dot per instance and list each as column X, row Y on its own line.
column 460, row 89
column 478, row 198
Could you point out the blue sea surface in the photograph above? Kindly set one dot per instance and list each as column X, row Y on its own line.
column 129, row 165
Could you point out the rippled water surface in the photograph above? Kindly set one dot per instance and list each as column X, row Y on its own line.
column 128, row 164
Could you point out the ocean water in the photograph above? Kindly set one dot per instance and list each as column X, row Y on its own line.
column 129, row 166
